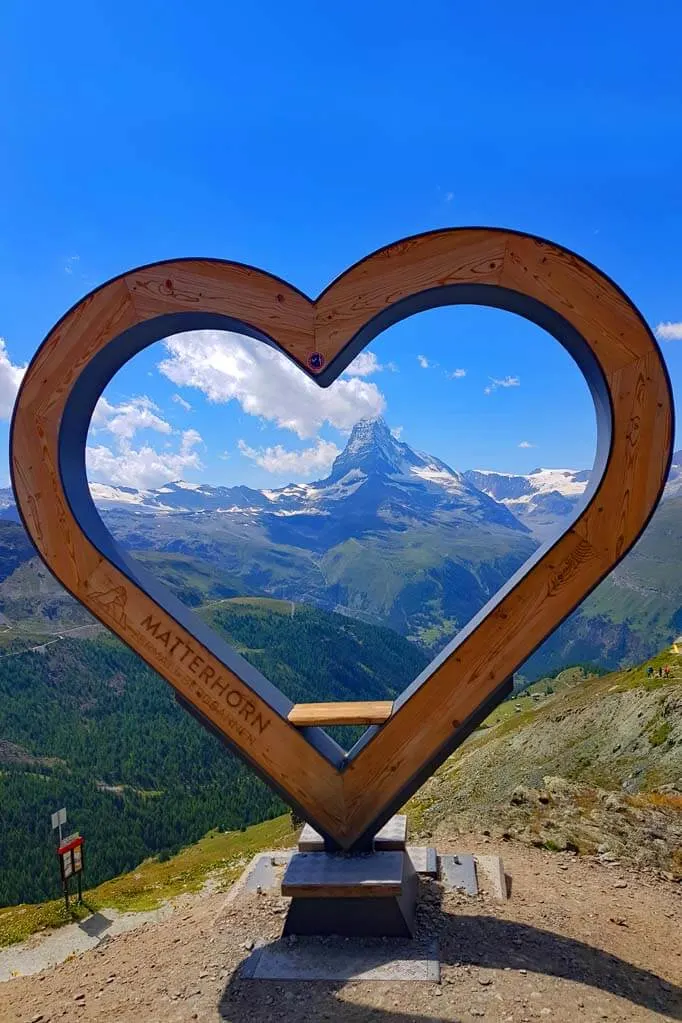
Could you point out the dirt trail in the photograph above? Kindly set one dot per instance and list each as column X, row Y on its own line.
column 578, row 940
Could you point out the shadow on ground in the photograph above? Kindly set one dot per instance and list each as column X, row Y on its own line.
column 95, row 925
column 465, row 940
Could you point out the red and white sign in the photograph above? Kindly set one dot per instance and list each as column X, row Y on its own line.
column 71, row 856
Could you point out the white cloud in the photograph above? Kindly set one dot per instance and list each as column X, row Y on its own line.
column 71, row 264
column 503, row 382
column 527, row 444
column 124, row 465
column 282, row 462
column 226, row 366
column 179, row 400
column 423, row 361
column 669, row 331
column 124, row 420
column 449, row 196
column 143, row 467
column 457, row 374
column 10, row 377
column 363, row 365
column 397, row 432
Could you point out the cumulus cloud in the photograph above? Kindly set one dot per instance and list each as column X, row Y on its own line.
column 423, row 361
column 503, row 382
column 179, row 400
column 125, row 419
column 10, row 377
column 363, row 365
column 226, row 366
column 527, row 444
column 143, row 467
column 282, row 462
column 122, row 464
column 669, row 331
column 397, row 432
column 457, row 374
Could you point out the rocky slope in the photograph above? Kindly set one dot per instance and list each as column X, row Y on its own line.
column 588, row 764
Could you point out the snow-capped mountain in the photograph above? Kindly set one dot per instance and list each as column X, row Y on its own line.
column 544, row 500
column 547, row 499
column 375, row 471
column 392, row 535
column 374, row 475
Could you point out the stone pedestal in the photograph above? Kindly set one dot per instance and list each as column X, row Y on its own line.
column 367, row 895
column 370, row 894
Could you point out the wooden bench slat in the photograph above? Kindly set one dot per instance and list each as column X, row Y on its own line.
column 373, row 712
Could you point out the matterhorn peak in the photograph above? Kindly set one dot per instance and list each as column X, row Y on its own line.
column 372, row 449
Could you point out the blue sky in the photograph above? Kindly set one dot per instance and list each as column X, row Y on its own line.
column 299, row 139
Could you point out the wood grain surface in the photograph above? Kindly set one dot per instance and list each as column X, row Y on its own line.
column 346, row 803
column 371, row 712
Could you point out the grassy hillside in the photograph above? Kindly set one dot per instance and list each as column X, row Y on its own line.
column 219, row 855
column 84, row 723
column 593, row 764
column 587, row 763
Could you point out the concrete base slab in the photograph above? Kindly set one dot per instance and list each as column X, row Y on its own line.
column 459, row 871
column 261, row 873
column 392, row 836
column 490, row 871
column 344, row 959
column 424, row 859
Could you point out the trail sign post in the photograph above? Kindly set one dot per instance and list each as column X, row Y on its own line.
column 58, row 821
column 71, row 855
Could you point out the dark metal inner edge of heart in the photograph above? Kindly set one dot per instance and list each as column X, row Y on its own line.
column 101, row 369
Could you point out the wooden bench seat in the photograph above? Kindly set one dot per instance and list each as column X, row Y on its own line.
column 374, row 712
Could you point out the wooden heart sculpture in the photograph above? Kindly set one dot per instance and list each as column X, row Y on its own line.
column 347, row 797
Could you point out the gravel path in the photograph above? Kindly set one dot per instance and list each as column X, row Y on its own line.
column 578, row 941
column 44, row 950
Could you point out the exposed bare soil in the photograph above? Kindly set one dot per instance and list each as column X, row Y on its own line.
column 578, row 940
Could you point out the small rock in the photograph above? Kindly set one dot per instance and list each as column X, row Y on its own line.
column 485, row 981
column 476, row 1012
column 38, row 1018
column 620, row 884
column 79, row 997
column 519, row 796
column 524, row 972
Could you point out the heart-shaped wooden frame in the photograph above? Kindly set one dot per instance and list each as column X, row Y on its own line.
column 346, row 796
